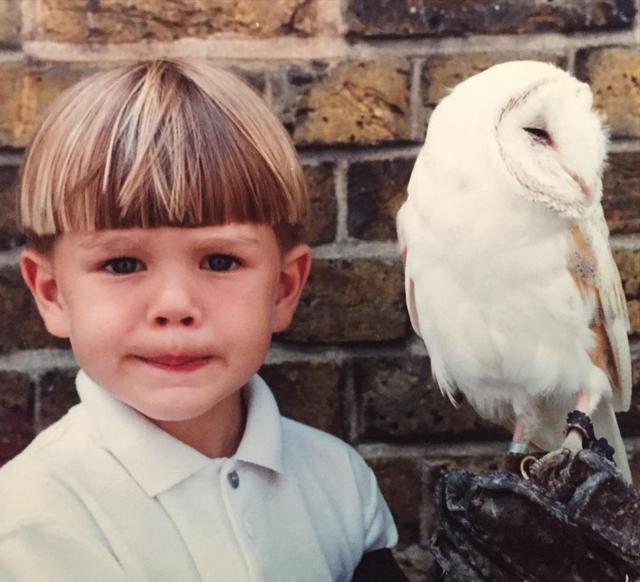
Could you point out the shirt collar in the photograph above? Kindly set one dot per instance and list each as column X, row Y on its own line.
column 261, row 442
column 158, row 461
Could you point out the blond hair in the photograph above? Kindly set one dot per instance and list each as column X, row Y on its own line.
column 160, row 143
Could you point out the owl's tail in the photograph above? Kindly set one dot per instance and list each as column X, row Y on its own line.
column 605, row 425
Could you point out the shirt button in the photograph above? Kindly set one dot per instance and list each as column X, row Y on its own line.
column 234, row 479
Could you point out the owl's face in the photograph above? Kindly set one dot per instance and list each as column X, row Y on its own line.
column 554, row 145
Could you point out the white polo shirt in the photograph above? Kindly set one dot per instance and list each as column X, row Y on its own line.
column 104, row 495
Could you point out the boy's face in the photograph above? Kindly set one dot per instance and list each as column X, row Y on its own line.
column 172, row 321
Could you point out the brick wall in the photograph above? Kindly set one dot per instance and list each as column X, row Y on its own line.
column 354, row 82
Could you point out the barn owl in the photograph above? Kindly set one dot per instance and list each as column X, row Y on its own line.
column 509, row 276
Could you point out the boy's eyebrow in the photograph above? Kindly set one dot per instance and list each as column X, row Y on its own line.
column 114, row 242
column 105, row 241
column 239, row 239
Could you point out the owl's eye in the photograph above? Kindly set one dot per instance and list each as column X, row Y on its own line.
column 539, row 133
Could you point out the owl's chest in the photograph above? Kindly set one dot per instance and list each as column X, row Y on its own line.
column 489, row 263
column 482, row 300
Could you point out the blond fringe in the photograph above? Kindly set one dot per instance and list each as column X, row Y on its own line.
column 160, row 143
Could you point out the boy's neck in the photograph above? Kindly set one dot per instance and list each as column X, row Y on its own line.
column 215, row 434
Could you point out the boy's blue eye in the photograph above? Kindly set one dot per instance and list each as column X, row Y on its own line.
column 221, row 262
column 122, row 265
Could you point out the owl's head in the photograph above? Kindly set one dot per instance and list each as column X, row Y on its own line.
column 542, row 131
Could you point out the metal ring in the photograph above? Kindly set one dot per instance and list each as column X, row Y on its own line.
column 517, row 448
column 524, row 466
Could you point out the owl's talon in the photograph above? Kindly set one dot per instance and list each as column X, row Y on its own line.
column 551, row 464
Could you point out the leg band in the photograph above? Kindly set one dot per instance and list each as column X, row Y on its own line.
column 582, row 423
column 517, row 448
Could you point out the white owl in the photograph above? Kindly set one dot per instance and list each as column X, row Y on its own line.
column 509, row 275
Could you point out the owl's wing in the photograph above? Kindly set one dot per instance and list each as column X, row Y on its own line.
column 402, row 225
column 596, row 275
column 410, row 292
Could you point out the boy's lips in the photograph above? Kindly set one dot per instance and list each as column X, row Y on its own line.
column 179, row 363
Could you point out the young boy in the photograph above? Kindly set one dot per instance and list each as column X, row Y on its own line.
column 163, row 207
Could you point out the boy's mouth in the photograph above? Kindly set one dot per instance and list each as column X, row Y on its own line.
column 177, row 363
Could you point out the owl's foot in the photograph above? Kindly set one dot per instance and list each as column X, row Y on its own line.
column 579, row 434
column 548, row 467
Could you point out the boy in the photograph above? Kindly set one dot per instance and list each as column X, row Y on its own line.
column 163, row 206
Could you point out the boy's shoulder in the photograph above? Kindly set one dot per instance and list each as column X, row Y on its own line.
column 338, row 481
column 44, row 451
column 303, row 436
column 308, row 449
column 304, row 450
column 36, row 482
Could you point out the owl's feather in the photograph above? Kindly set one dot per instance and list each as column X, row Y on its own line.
column 595, row 274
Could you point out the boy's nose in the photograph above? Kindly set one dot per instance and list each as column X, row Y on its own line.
column 164, row 321
column 174, row 306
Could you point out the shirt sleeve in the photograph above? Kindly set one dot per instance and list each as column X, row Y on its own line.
column 44, row 552
column 379, row 529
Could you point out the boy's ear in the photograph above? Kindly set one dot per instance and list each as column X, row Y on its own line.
column 38, row 274
column 294, row 272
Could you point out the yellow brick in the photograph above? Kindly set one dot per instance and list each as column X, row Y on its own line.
column 355, row 102
column 26, row 91
column 126, row 21
column 614, row 76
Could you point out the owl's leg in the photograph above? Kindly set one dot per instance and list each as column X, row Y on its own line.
column 552, row 462
column 519, row 441
column 518, row 448
column 586, row 403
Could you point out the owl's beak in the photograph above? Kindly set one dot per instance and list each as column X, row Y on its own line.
column 588, row 192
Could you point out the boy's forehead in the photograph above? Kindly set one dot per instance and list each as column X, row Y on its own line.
column 240, row 233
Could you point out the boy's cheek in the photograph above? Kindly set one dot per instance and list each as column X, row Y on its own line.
column 57, row 325
column 56, row 317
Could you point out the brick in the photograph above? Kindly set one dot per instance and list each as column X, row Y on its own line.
column 254, row 78
column 621, row 199
column 10, row 237
column 399, row 481
column 400, row 401
column 398, row 18
column 57, row 395
column 126, row 21
column 629, row 422
column 324, row 207
column 10, row 23
column 376, row 190
column 628, row 262
column 353, row 102
column 27, row 90
column 309, row 392
column 16, row 413
column 19, row 313
column 310, row 18
column 11, row 77
column 613, row 76
column 62, row 20
column 351, row 301
column 435, row 468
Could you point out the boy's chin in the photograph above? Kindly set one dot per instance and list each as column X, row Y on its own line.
column 179, row 404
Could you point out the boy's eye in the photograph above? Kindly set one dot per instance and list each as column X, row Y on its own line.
column 122, row 265
column 221, row 262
